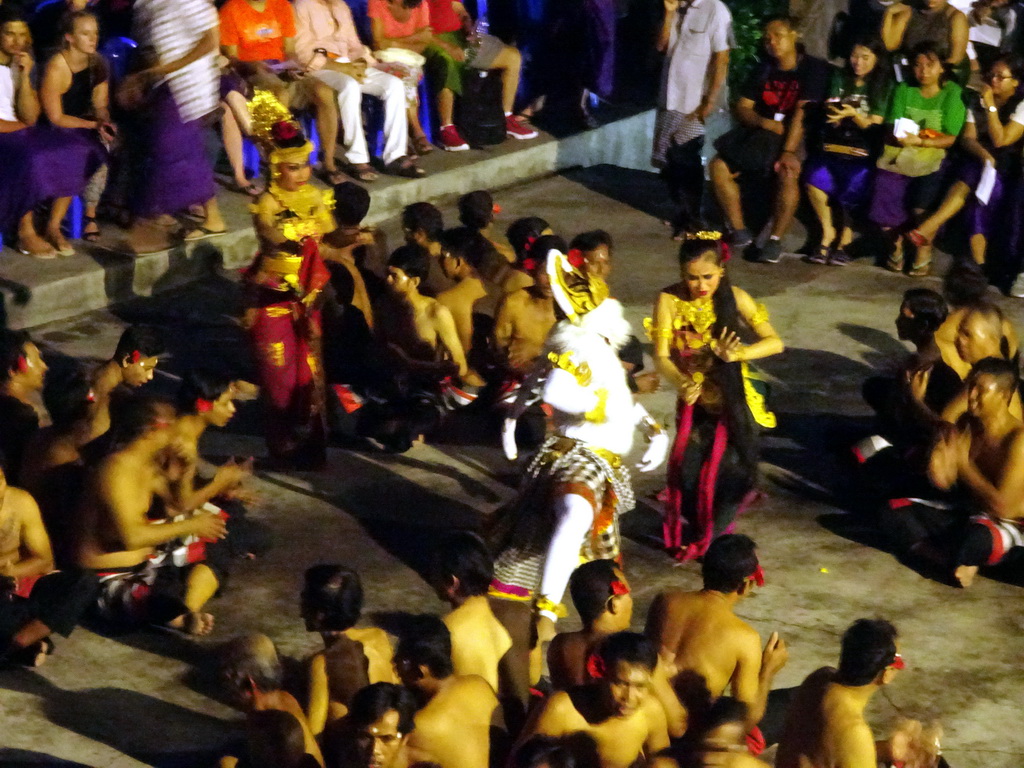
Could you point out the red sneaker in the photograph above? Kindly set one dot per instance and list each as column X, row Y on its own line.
column 451, row 140
column 518, row 128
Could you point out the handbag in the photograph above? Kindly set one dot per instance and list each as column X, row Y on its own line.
column 912, row 162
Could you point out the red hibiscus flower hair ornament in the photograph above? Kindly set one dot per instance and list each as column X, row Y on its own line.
column 91, row 397
column 898, row 662
column 495, row 209
column 284, row 130
column 596, row 668
column 529, row 266
column 618, row 588
column 135, row 357
column 725, row 251
column 575, row 257
column 758, row 575
column 22, row 363
column 203, row 406
column 529, row 243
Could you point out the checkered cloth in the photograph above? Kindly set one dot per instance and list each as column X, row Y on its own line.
column 578, row 469
column 672, row 128
column 172, row 28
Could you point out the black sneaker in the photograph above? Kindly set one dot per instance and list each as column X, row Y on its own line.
column 839, row 257
column 771, row 253
column 740, row 238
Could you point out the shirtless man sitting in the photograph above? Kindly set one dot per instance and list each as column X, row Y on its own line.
column 617, row 710
column 456, row 713
column 34, row 601
column 422, row 225
column 477, row 211
column 22, row 372
column 825, row 725
column 376, row 731
column 352, row 658
column 712, row 648
column 985, row 455
column 723, row 741
column 133, row 365
column 461, row 574
column 522, row 234
column 115, row 537
column 981, row 335
column 605, row 604
column 251, row 673
column 471, row 300
column 53, row 467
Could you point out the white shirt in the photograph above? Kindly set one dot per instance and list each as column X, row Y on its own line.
column 1016, row 117
column 173, row 28
column 7, row 94
column 704, row 29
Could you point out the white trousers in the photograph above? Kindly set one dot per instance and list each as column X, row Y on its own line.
column 390, row 91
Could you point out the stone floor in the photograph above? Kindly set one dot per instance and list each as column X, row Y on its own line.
column 135, row 699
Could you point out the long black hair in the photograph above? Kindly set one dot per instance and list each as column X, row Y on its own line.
column 728, row 376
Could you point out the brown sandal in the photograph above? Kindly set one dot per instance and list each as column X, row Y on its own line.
column 421, row 145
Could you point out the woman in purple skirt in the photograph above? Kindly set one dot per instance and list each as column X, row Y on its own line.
column 39, row 163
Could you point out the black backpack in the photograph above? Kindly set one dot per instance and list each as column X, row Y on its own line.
column 478, row 112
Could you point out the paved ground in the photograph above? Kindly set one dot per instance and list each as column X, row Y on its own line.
column 137, row 700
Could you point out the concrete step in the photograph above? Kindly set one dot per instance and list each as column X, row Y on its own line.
column 35, row 292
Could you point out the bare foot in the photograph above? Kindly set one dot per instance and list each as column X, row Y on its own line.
column 965, row 574
column 193, row 623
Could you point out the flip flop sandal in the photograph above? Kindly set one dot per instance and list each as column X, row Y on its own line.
column 421, row 145
column 894, row 263
column 361, row 172
column 41, row 255
column 91, row 237
column 920, row 270
column 403, row 166
column 820, row 256
column 334, row 177
column 194, row 234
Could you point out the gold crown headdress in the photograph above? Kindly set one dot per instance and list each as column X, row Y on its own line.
column 575, row 290
column 272, row 125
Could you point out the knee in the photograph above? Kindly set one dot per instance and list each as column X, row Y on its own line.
column 394, row 90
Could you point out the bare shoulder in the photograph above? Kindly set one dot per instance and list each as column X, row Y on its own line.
column 21, row 500
column 743, row 299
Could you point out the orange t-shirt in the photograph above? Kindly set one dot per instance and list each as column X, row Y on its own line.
column 259, row 36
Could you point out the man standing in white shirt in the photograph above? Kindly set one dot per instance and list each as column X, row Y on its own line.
column 696, row 36
column 327, row 44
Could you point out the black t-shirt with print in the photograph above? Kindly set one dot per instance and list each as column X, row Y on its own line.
column 776, row 91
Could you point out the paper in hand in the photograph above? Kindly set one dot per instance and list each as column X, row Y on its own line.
column 904, row 127
column 985, row 186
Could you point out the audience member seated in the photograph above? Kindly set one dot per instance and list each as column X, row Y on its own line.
column 922, row 123
column 35, row 600
column 45, row 25
column 328, row 46
column 723, row 741
column 935, row 23
column 274, row 739
column 604, row 601
column 457, row 49
column 258, row 36
column 985, row 457
column 457, row 713
column 401, row 33
column 133, row 365
column 522, row 234
column 75, row 95
column 251, row 674
column 22, row 373
column 838, row 174
column 993, row 32
column 769, row 138
column 471, row 301
column 332, row 601
column 990, row 138
column 711, row 647
column 477, row 211
column 115, row 537
column 376, row 732
column 53, row 465
column 175, row 89
column 417, row 336
column 617, row 710
column 825, row 724
column 461, row 573
column 40, row 163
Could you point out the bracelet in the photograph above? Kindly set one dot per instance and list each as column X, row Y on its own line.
column 789, row 151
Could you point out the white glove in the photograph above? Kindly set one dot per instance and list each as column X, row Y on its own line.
column 655, row 453
column 508, row 439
